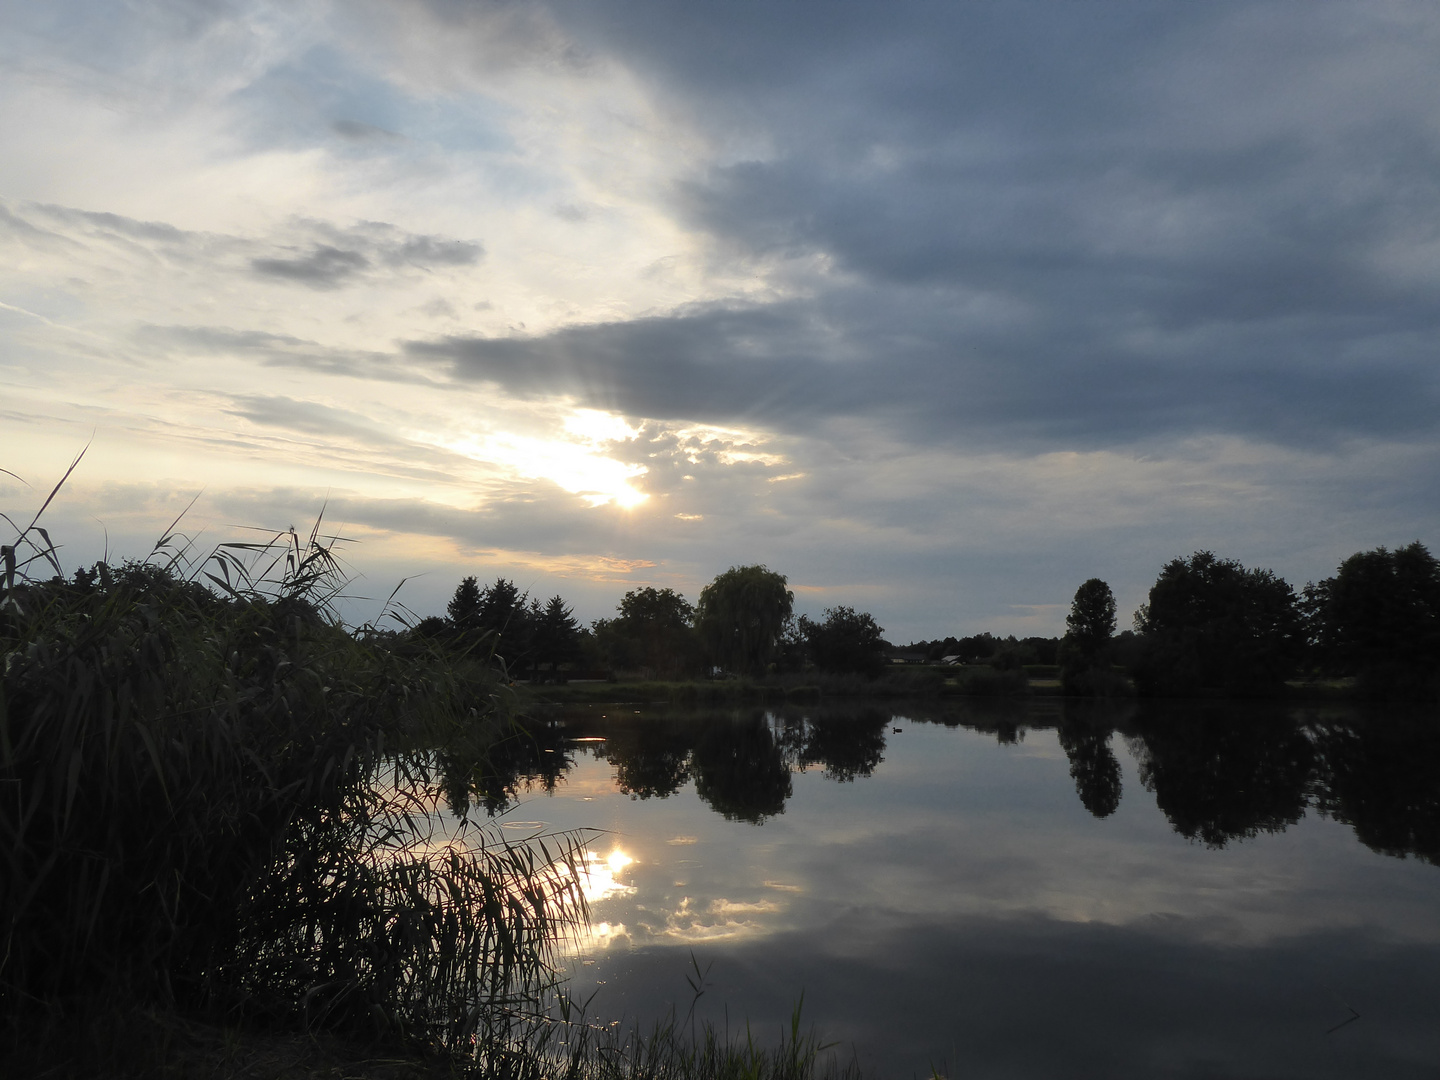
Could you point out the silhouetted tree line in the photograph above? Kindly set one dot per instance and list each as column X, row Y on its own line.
column 744, row 624
column 1002, row 652
column 1212, row 627
column 521, row 635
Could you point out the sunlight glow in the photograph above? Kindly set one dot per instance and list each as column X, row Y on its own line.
column 581, row 469
column 725, row 446
column 748, row 457
column 594, row 426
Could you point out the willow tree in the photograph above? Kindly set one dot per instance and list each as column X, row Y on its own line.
column 741, row 615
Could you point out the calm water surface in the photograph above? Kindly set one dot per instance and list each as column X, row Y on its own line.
column 1015, row 890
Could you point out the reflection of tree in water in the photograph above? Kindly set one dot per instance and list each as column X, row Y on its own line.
column 529, row 755
column 1005, row 718
column 847, row 746
column 1381, row 776
column 651, row 757
column 1219, row 777
column 1093, row 767
column 740, row 770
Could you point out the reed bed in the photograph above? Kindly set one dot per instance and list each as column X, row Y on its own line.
column 208, row 801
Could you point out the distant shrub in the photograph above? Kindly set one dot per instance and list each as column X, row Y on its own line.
column 1098, row 682
column 990, row 682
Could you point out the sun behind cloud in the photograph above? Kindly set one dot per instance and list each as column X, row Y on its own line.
column 575, row 459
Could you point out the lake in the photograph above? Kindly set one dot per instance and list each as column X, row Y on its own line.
column 1012, row 889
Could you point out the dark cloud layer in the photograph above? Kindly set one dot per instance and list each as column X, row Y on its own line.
column 1050, row 224
column 932, row 378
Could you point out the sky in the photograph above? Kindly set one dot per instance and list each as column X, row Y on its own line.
column 939, row 309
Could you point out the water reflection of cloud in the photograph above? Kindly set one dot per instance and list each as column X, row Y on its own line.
column 1029, row 996
column 604, row 935
column 719, row 920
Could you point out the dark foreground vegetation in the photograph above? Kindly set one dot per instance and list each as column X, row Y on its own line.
column 218, row 825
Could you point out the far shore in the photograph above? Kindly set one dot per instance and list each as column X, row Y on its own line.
column 909, row 682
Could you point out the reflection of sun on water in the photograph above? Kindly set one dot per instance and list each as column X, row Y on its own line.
column 599, row 881
column 600, row 873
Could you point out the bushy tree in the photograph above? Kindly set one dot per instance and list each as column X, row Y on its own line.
column 653, row 633
column 660, row 608
column 1091, row 621
column 741, row 616
column 1084, row 653
column 1379, row 619
column 845, row 641
column 1211, row 624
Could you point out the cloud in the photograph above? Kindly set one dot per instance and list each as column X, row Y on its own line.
column 304, row 416
column 324, row 267
column 362, row 132
column 1051, row 226
column 368, row 244
column 307, row 251
column 936, row 376
column 279, row 351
